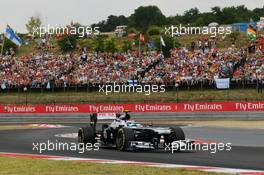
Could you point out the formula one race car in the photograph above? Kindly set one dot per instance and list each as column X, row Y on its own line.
column 124, row 134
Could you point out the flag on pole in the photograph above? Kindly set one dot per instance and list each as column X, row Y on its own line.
column 162, row 42
column 141, row 38
column 1, row 39
column 2, row 44
column 132, row 82
column 12, row 36
column 251, row 33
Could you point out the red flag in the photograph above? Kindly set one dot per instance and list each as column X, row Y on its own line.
column 141, row 38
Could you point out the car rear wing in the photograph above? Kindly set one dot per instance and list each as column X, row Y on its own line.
column 106, row 117
column 102, row 116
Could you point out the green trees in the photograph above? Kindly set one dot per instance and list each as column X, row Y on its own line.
column 105, row 45
column 150, row 21
column 67, row 43
column 110, row 45
column 111, row 23
column 99, row 45
column 127, row 45
column 146, row 16
column 191, row 15
column 154, row 30
column 33, row 23
column 132, row 30
column 143, row 17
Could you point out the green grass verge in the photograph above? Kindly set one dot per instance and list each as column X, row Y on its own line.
column 12, row 127
column 21, row 166
column 96, row 97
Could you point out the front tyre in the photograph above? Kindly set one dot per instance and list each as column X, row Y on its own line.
column 123, row 138
column 175, row 135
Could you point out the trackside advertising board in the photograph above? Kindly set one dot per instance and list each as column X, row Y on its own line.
column 112, row 108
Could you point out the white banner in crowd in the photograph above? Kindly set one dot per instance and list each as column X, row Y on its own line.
column 222, row 83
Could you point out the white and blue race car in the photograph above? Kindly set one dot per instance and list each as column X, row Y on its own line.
column 122, row 133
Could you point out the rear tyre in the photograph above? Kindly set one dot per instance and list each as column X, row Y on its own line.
column 123, row 138
column 86, row 135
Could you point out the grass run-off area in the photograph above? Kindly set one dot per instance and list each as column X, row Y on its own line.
column 27, row 166
column 12, row 127
column 96, row 97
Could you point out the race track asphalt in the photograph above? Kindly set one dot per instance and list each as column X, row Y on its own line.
column 247, row 147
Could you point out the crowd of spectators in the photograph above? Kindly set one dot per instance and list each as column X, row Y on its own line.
column 48, row 70
column 199, row 65
column 252, row 69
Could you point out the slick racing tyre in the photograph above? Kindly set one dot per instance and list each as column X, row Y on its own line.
column 86, row 135
column 123, row 138
column 175, row 135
